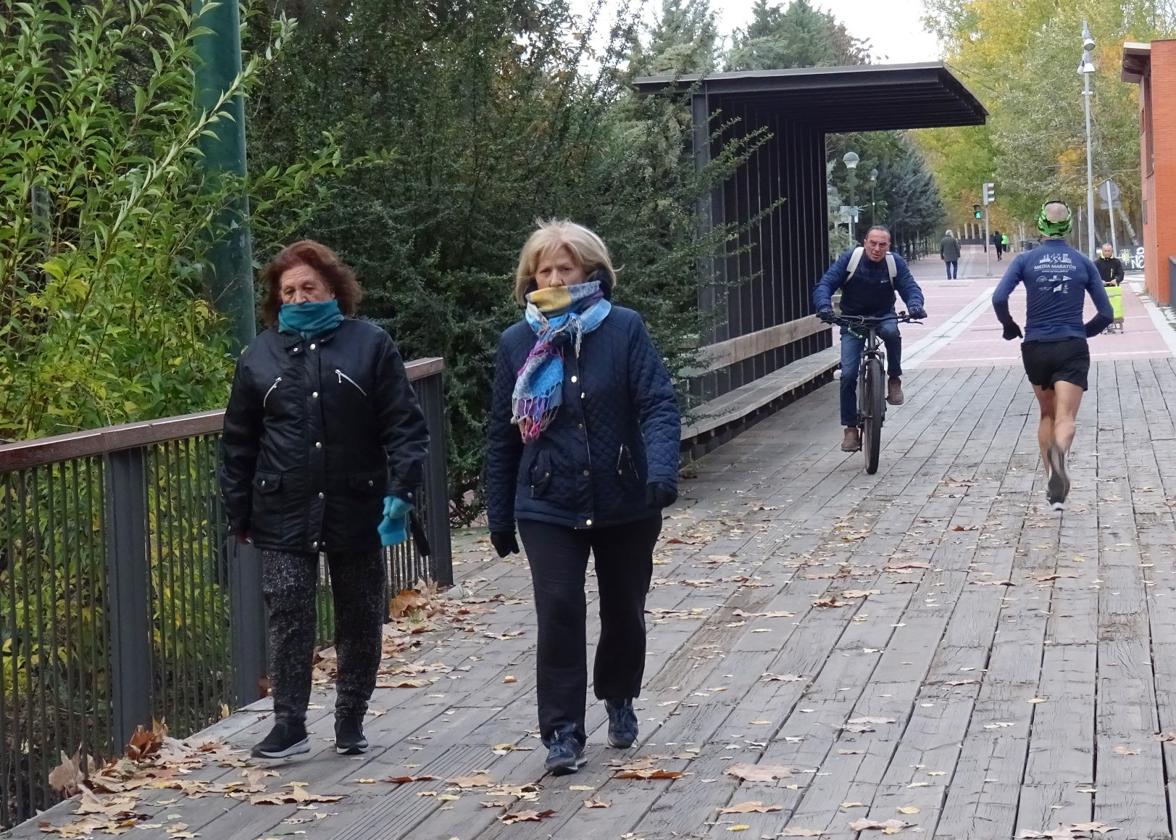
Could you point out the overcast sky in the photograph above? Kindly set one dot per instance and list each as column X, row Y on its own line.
column 896, row 34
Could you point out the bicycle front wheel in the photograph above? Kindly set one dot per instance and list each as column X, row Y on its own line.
column 873, row 398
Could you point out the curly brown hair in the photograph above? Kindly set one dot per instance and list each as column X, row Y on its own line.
column 337, row 275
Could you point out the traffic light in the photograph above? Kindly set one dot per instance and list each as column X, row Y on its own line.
column 989, row 192
column 976, row 212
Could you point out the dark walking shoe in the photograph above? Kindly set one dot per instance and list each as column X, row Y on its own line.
column 852, row 440
column 285, row 739
column 565, row 755
column 349, row 737
column 622, row 723
column 894, row 391
column 1058, row 486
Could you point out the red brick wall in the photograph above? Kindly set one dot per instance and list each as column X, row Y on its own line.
column 1159, row 179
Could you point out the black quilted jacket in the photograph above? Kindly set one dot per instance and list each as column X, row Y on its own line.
column 316, row 434
column 617, row 430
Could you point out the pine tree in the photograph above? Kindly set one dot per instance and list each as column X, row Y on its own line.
column 684, row 40
column 799, row 36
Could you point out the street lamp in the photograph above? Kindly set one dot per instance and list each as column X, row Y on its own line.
column 873, row 204
column 1086, row 69
column 850, row 159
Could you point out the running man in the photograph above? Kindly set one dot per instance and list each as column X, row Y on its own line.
column 1057, row 360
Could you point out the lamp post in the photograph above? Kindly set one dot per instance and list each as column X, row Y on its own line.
column 1085, row 69
column 873, row 203
column 850, row 159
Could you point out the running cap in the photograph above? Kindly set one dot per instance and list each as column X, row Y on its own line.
column 1054, row 227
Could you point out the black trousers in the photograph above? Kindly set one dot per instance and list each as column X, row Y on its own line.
column 624, row 565
column 289, row 582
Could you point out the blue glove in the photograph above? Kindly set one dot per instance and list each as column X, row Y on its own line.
column 826, row 314
column 393, row 527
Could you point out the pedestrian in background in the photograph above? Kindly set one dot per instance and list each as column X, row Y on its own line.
column 322, row 452
column 1110, row 267
column 997, row 243
column 582, row 454
column 949, row 252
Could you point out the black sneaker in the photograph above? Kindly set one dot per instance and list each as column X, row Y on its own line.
column 565, row 755
column 1058, row 486
column 622, row 723
column 285, row 739
column 349, row 737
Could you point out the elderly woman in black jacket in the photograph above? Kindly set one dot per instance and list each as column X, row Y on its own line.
column 322, row 452
column 582, row 454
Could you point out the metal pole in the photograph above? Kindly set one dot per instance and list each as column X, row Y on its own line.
column 987, row 254
column 1111, row 219
column 1089, row 160
column 230, row 261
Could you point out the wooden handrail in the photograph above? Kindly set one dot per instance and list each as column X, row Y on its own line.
column 40, row 451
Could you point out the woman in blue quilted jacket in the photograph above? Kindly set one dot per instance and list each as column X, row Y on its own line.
column 582, row 455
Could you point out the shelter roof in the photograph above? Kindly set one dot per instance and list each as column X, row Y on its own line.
column 870, row 97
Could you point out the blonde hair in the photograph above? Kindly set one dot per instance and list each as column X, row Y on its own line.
column 586, row 248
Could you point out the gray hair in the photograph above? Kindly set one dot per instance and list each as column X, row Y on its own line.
column 1056, row 211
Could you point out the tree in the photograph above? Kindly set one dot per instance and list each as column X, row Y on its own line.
column 683, row 40
column 1020, row 61
column 799, row 36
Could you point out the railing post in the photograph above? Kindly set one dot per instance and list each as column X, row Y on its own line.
column 437, row 522
column 247, row 620
column 127, row 605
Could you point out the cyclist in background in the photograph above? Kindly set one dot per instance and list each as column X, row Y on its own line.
column 869, row 276
column 1057, row 360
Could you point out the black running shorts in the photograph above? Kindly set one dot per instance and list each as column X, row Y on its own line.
column 1047, row 362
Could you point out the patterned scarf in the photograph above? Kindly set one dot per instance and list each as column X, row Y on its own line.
column 559, row 316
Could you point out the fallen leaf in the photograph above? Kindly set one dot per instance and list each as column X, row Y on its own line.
column 475, row 781
column 800, row 832
column 864, row 724
column 508, row 679
column 403, row 780
column 860, row 593
column 908, row 809
column 525, row 816
column 887, row 827
column 758, row 772
column 647, row 773
column 750, row 808
column 738, row 827
column 1122, row 750
column 405, row 602
column 66, row 778
column 297, row 795
column 596, row 803
column 782, row 678
column 1037, row 700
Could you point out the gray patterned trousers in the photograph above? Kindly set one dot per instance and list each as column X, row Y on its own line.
column 289, row 581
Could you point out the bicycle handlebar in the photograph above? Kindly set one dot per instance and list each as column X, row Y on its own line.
column 869, row 320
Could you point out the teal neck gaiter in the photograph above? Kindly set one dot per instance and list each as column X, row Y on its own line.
column 309, row 320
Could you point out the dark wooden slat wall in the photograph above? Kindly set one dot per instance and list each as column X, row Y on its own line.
column 767, row 274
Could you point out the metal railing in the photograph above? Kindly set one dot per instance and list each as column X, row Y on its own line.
column 123, row 599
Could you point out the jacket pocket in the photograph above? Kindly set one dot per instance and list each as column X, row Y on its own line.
column 627, row 467
column 539, row 475
column 366, row 484
column 265, row 483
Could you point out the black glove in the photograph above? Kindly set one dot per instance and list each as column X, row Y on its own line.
column 826, row 314
column 1012, row 331
column 917, row 313
column 660, row 495
column 504, row 542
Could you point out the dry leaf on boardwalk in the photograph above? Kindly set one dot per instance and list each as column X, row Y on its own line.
column 750, row 808
column 887, row 827
column 864, row 724
column 831, row 601
column 1124, row 750
column 406, row 601
column 782, row 678
column 596, row 803
column 66, row 778
column 738, row 827
column 525, row 816
column 297, row 795
column 860, row 593
column 647, row 773
column 146, row 743
column 403, row 780
column 1074, row 831
column 907, row 810
column 758, row 772
column 1166, row 737
column 800, row 832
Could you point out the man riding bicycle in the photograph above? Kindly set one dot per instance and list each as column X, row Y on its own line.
column 868, row 288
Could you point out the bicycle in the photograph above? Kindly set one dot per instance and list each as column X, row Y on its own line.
column 871, row 391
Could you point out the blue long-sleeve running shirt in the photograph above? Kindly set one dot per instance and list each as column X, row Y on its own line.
column 1057, row 278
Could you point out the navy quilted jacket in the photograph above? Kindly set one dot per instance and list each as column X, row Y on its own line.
column 617, row 430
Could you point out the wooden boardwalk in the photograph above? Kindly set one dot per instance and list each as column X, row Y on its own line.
column 930, row 645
